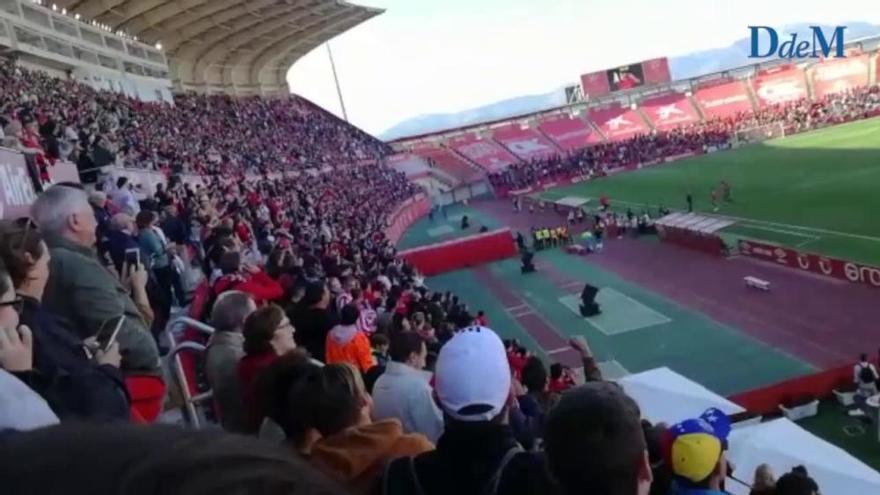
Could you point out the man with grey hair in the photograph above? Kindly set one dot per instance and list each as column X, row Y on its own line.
column 225, row 349
column 81, row 290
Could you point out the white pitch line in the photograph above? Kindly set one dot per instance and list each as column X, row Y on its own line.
column 767, row 222
column 517, row 307
column 780, row 231
column 559, row 350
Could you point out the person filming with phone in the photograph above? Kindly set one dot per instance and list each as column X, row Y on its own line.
column 81, row 291
column 78, row 379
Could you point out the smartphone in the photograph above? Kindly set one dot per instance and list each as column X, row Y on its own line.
column 109, row 330
column 133, row 257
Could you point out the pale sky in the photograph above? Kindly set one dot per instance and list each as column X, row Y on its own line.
column 445, row 56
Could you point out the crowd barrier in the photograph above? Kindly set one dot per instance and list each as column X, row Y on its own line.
column 462, row 253
column 852, row 272
column 766, row 400
column 408, row 213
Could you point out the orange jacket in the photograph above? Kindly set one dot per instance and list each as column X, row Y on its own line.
column 347, row 344
column 356, row 456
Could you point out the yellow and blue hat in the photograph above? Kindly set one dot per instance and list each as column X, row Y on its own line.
column 692, row 448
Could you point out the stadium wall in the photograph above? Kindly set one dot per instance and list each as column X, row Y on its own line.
column 461, row 253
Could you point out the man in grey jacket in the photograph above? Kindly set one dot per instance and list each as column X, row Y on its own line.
column 225, row 349
column 83, row 292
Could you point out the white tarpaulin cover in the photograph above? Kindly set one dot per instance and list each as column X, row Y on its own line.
column 664, row 395
column 783, row 444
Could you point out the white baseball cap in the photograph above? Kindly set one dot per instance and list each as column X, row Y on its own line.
column 472, row 375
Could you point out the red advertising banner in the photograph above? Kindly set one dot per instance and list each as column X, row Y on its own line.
column 484, row 152
column 618, row 123
column 595, row 84
column 16, row 187
column 669, row 111
column 408, row 213
column 831, row 267
column 656, row 71
column 837, row 75
column 570, row 133
column 777, row 87
column 461, row 253
column 524, row 143
column 723, row 100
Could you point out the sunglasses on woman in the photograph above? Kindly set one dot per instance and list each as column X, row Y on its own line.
column 17, row 304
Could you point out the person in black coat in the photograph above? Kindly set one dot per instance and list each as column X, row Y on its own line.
column 76, row 382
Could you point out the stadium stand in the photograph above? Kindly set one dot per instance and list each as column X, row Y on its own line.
column 524, row 142
column 484, row 152
column 723, row 99
column 617, row 122
column 295, row 215
column 666, row 112
column 569, row 133
column 451, row 163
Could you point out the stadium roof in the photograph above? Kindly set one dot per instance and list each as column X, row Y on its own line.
column 234, row 46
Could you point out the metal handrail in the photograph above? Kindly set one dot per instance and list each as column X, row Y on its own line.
column 189, row 401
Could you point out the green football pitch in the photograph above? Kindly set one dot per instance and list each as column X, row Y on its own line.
column 817, row 192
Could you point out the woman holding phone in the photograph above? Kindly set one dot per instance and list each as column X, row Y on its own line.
column 79, row 380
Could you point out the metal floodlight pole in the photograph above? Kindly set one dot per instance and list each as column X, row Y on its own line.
column 336, row 80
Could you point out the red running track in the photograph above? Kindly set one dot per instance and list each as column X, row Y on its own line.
column 822, row 321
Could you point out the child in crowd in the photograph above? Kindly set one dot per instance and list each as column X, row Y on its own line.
column 380, row 345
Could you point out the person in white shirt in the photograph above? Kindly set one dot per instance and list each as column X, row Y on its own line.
column 404, row 391
column 123, row 199
column 865, row 377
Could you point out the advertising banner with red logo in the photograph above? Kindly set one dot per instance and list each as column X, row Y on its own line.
column 779, row 87
column 837, row 75
column 656, row 71
column 669, row 111
column 524, row 143
column 484, row 152
column 725, row 99
column 618, row 123
column 813, row 263
column 570, row 133
column 16, row 187
column 595, row 84
column 877, row 68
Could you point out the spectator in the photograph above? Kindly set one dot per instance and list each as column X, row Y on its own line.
column 98, row 200
column 123, row 198
column 404, row 390
column 380, row 346
column 796, row 482
column 314, row 320
column 173, row 226
column 865, row 377
column 225, row 350
column 353, row 449
column 76, row 384
column 20, row 407
column 155, row 257
column 267, row 335
column 81, row 291
column 154, row 460
column 120, row 238
column 246, row 278
column 764, row 483
column 477, row 452
column 695, row 452
column 347, row 344
column 283, row 389
column 595, row 444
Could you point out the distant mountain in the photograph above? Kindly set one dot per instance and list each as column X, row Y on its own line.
column 736, row 55
column 681, row 67
column 487, row 113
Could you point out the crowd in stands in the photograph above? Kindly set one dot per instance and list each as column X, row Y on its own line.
column 598, row 159
column 197, row 134
column 334, row 364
